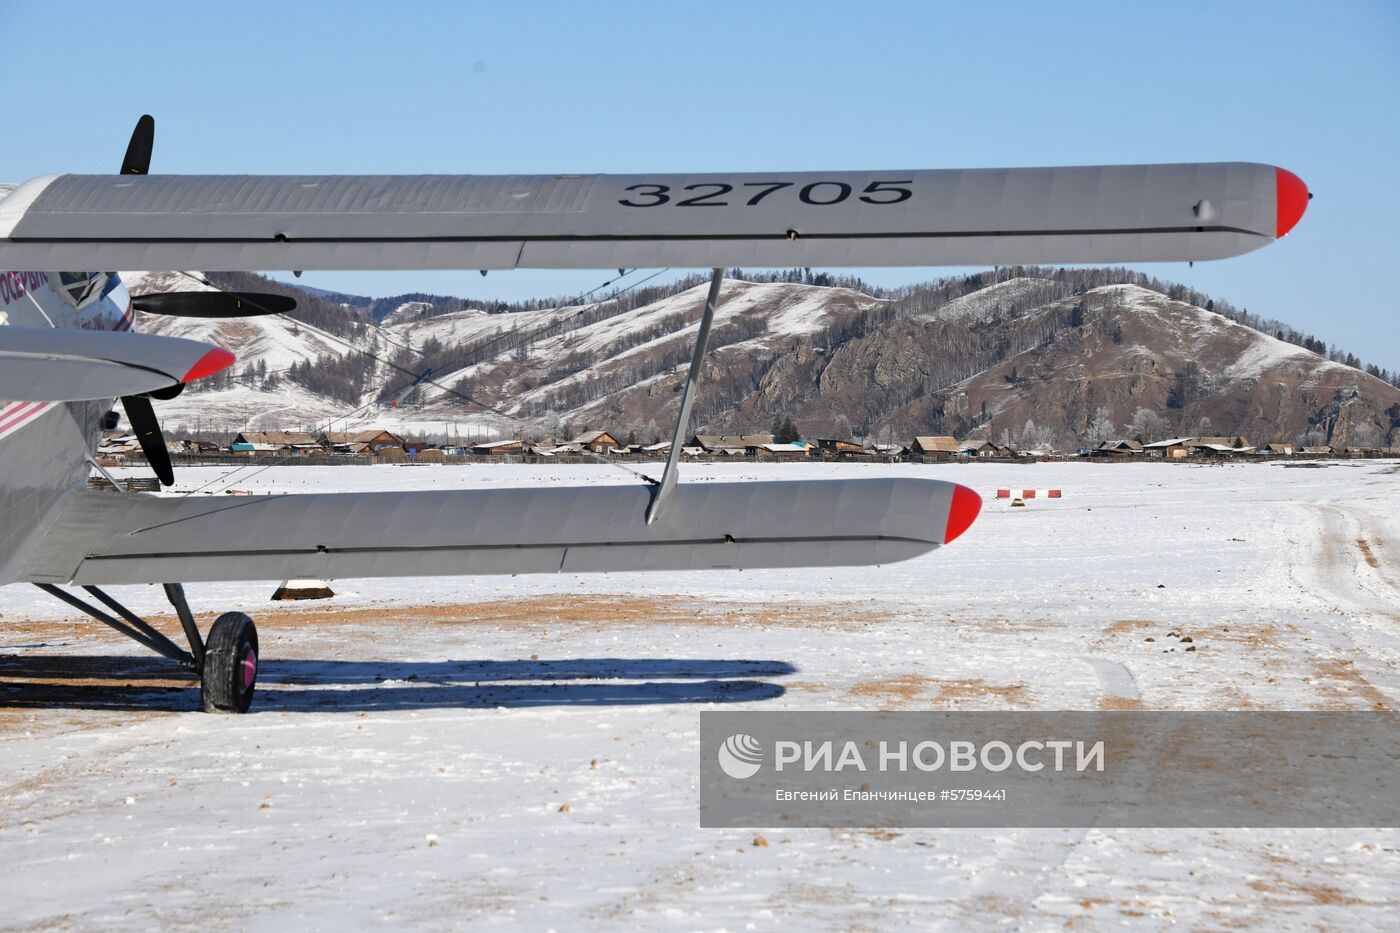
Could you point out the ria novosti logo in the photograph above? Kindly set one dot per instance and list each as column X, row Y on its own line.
column 740, row 756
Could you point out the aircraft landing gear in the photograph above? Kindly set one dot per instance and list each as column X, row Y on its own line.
column 230, row 664
column 227, row 664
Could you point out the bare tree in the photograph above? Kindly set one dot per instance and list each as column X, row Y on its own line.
column 1101, row 428
column 1148, row 426
column 1365, row 435
column 1314, row 437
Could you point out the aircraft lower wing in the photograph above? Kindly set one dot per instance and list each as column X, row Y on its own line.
column 1080, row 214
column 42, row 364
column 110, row 538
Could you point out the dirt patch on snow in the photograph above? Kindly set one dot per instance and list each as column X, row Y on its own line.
column 958, row 692
column 1343, row 686
column 1128, row 626
column 902, row 689
column 1301, row 892
column 906, row 689
column 1254, row 636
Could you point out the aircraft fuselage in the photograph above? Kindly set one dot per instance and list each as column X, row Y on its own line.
column 45, row 446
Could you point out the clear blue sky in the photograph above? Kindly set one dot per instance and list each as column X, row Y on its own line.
column 613, row 87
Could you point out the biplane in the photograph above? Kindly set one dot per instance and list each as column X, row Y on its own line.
column 68, row 351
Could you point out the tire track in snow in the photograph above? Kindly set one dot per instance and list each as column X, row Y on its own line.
column 1347, row 570
column 1118, row 690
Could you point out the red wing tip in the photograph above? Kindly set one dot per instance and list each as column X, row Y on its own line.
column 1292, row 200
column 216, row 359
column 962, row 512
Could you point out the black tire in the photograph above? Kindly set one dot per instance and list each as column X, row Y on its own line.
column 230, row 664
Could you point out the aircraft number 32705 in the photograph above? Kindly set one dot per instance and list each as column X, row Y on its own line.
column 751, row 193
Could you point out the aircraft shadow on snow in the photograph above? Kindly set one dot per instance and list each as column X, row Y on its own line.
column 122, row 682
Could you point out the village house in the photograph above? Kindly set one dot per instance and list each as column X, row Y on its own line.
column 246, row 449
column 332, row 440
column 934, row 449
column 358, row 442
column 298, row 443
column 1218, row 451
column 727, row 443
column 838, row 447
column 779, row 451
column 1175, row 448
column 506, row 448
column 366, row 442
column 115, row 447
column 980, row 447
column 1324, row 450
column 600, row 442
column 1126, row 447
column 1277, row 450
column 1237, row 444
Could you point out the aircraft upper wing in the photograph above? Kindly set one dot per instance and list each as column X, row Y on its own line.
column 1083, row 214
column 100, row 538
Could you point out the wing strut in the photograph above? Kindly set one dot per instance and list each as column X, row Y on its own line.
column 692, row 380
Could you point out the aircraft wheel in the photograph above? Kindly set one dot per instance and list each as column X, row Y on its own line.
column 230, row 664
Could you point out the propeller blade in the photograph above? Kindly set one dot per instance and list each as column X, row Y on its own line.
column 147, row 430
column 167, row 393
column 213, row 304
column 138, row 151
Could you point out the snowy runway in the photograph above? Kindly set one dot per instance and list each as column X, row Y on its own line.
column 521, row 752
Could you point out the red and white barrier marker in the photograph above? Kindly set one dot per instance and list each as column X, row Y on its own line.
column 1028, row 494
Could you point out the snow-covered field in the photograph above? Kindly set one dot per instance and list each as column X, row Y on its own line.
column 521, row 752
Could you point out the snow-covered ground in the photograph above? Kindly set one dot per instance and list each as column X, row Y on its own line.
column 521, row 752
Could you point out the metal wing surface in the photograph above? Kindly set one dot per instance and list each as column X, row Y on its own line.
column 1080, row 214
column 100, row 538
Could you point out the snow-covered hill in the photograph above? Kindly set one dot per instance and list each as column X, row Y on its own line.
column 1197, row 371
column 986, row 358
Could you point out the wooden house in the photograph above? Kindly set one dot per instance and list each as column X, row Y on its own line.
column 839, row 447
column 933, row 449
column 505, row 448
column 368, row 441
column 600, row 442
column 286, row 443
column 1236, row 443
column 779, row 451
column 714, row 443
column 981, row 448
column 1125, row 447
column 1174, row 448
